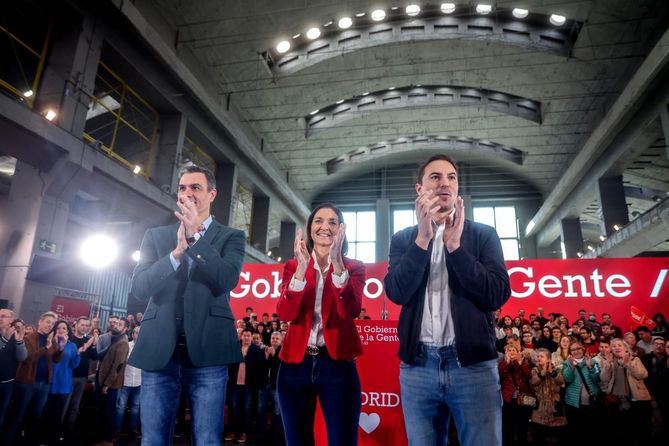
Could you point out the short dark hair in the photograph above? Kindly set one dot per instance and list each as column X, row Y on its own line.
column 247, row 329
column 192, row 168
column 340, row 217
column 440, row 157
column 125, row 322
column 82, row 318
column 642, row 328
column 586, row 329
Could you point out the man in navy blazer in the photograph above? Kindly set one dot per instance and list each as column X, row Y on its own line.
column 449, row 276
column 186, row 272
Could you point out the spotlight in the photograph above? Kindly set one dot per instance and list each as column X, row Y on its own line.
column 135, row 256
column 483, row 8
column 520, row 13
column 616, row 227
column 448, row 8
column 313, row 33
column 602, row 238
column 412, row 10
column 269, row 253
column 28, row 93
column 557, row 20
column 345, row 22
column 50, row 115
column 313, row 113
column 136, row 170
column 590, row 248
column 98, row 251
column 283, row 46
column 378, row 15
column 278, row 259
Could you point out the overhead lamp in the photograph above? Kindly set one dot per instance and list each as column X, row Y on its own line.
column 269, row 253
column 28, row 93
column 137, row 169
column 135, row 256
column 378, row 15
column 391, row 88
column 98, row 250
column 297, row 36
column 283, row 46
column 602, row 238
column 395, row 8
column 313, row 113
column 616, row 227
column 360, row 14
column 520, row 13
column 365, row 93
column 345, row 22
column 313, row 33
column 579, row 254
column 278, row 259
column 341, row 101
column 448, row 8
column 412, row 10
column 419, row 85
column 328, row 23
column 50, row 115
column 483, row 8
column 557, row 20
column 590, row 248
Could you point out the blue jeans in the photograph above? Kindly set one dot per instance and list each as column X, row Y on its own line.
column 127, row 395
column 26, row 396
column 159, row 399
column 241, row 409
column 5, row 397
column 436, row 387
column 337, row 387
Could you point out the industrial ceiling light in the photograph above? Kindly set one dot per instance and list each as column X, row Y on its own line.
column 412, row 10
column 391, row 88
column 278, row 259
column 345, row 22
column 137, row 170
column 283, row 46
column 602, row 238
column 557, row 20
column 99, row 251
column 50, row 115
column 313, row 33
column 314, row 112
column 483, row 8
column 269, row 253
column 297, row 36
column 448, row 8
column 28, row 93
column 520, row 13
column 365, row 93
column 579, row 254
column 616, row 227
column 360, row 14
column 590, row 248
column 328, row 23
column 135, row 256
column 341, row 101
column 378, row 15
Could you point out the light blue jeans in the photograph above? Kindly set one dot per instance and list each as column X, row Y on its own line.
column 436, row 387
column 159, row 400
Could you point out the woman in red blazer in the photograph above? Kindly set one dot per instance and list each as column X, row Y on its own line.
column 321, row 296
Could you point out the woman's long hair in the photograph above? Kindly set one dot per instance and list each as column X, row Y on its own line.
column 340, row 217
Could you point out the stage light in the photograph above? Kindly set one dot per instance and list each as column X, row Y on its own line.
column 135, row 256
column 137, row 170
column 558, row 20
column 314, row 112
column 28, row 93
column 520, row 13
column 345, row 22
column 448, row 8
column 313, row 33
column 378, row 15
column 483, row 8
column 50, row 115
column 283, row 46
column 99, row 251
column 412, row 10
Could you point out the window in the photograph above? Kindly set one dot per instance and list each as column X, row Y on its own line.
column 503, row 219
column 403, row 218
column 361, row 235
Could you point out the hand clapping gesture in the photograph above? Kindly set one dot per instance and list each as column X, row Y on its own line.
column 301, row 255
column 427, row 210
column 455, row 223
column 335, row 250
column 189, row 217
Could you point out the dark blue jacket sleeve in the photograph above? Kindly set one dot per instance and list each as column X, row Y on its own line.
column 406, row 267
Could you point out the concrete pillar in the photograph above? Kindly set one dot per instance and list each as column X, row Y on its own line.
column 51, row 227
column 613, row 202
column 167, row 153
column 69, row 75
column 287, row 240
column 260, row 222
column 226, row 188
column 17, row 235
column 383, row 229
column 572, row 237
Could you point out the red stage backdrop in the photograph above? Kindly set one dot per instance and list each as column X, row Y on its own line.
column 70, row 309
column 601, row 285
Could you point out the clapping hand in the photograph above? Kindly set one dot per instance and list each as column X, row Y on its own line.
column 335, row 250
column 301, row 255
column 455, row 224
column 188, row 217
column 427, row 210
column 182, row 244
column 49, row 341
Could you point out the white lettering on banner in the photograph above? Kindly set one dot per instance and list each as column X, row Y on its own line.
column 379, row 288
column 380, row 399
column 658, row 283
column 616, row 285
column 260, row 288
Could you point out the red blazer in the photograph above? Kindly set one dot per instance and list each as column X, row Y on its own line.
column 339, row 308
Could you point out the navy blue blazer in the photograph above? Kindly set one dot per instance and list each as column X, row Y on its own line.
column 478, row 281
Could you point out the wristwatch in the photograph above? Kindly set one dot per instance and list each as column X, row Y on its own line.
column 193, row 238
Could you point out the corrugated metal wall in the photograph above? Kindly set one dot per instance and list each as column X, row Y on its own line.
column 113, row 287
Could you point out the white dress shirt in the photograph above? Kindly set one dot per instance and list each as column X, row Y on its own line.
column 316, row 337
column 132, row 376
column 437, row 324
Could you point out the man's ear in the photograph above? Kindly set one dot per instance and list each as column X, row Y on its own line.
column 419, row 187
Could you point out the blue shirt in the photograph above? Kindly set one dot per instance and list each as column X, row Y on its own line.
column 175, row 263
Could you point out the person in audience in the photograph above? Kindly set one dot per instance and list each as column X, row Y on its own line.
column 86, row 345
column 559, row 356
column 514, row 377
column 128, row 395
column 655, row 362
column 661, row 327
column 536, row 330
column 629, row 395
column 546, row 340
column 604, row 358
column 540, row 317
column 631, row 340
column 645, row 342
column 12, row 352
column 527, row 348
column 588, row 341
column 321, row 296
column 61, row 382
column 548, row 418
column 33, row 381
column 662, row 398
column 272, row 355
column 581, row 376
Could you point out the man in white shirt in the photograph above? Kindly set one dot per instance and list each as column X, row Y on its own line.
column 129, row 393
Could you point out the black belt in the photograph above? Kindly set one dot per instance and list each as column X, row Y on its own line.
column 314, row 350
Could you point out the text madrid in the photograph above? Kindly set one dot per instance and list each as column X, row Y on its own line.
column 549, row 286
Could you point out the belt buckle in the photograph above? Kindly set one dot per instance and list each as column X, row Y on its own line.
column 312, row 350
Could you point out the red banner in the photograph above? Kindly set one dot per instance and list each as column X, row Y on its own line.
column 601, row 285
column 70, row 309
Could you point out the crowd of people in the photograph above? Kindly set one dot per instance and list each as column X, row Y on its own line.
column 560, row 381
